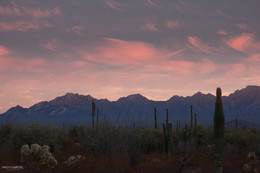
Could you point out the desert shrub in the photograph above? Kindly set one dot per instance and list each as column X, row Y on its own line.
column 37, row 157
column 20, row 136
column 45, row 135
column 231, row 149
column 74, row 159
column 62, row 140
column 152, row 140
column 105, row 138
column 254, row 145
column 5, row 133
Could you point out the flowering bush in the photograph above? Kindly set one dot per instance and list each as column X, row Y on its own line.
column 74, row 159
column 37, row 156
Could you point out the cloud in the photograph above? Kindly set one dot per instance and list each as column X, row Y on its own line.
column 254, row 58
column 21, row 64
column 38, row 13
column 184, row 7
column 33, row 12
column 242, row 26
column 114, row 5
column 244, row 42
column 151, row 3
column 120, row 52
column 222, row 32
column 10, row 11
column 51, row 45
column 22, row 25
column 196, row 44
column 221, row 13
column 4, row 51
column 172, row 24
column 150, row 26
column 77, row 30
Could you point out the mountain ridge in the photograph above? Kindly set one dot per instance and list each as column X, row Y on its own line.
column 242, row 103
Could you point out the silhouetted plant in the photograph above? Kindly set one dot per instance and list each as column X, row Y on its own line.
column 155, row 118
column 167, row 132
column 93, row 113
column 219, row 128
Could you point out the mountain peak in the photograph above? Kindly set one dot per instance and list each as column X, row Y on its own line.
column 16, row 109
column 134, row 97
column 251, row 90
column 198, row 94
column 70, row 98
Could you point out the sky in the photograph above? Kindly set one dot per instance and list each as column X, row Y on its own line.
column 113, row 48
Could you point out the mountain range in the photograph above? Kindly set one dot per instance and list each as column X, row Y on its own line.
column 75, row 109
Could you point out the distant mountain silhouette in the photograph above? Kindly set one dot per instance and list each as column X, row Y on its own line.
column 76, row 109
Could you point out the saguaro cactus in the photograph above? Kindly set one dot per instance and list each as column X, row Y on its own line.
column 97, row 117
column 219, row 127
column 185, row 136
column 155, row 118
column 191, row 124
column 167, row 117
column 93, row 113
column 167, row 132
column 236, row 123
column 195, row 124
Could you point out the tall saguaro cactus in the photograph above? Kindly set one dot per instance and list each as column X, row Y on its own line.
column 219, row 127
column 93, row 113
column 97, row 117
column 185, row 137
column 167, row 117
column 167, row 132
column 195, row 124
column 236, row 123
column 191, row 123
column 155, row 118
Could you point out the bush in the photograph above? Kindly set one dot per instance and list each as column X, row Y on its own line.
column 37, row 156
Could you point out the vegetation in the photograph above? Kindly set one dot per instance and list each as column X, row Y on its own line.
column 219, row 127
column 117, row 149
column 111, row 148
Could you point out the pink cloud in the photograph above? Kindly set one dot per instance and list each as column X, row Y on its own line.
column 153, row 4
column 221, row 13
column 5, row 63
column 114, row 5
column 10, row 11
column 172, row 24
column 34, row 12
column 19, row 26
column 254, row 58
column 222, row 32
column 76, row 29
column 4, row 51
column 79, row 64
column 51, row 45
column 184, row 7
column 38, row 13
column 242, row 26
column 120, row 52
column 10, row 64
column 197, row 45
column 150, row 26
column 244, row 42
column 127, row 51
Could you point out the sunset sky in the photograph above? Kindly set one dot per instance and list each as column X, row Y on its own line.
column 113, row 48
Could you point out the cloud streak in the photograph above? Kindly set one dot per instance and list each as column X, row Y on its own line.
column 114, row 5
column 244, row 42
column 172, row 24
column 196, row 44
